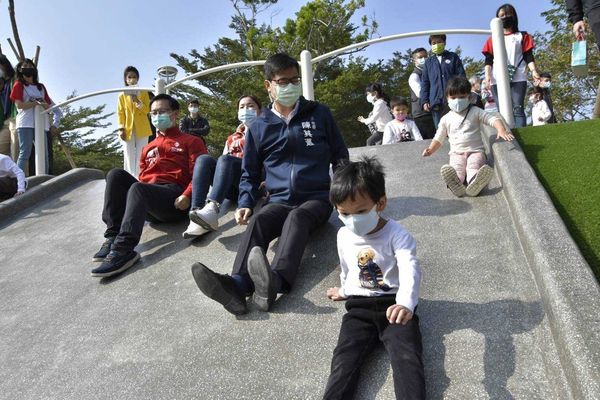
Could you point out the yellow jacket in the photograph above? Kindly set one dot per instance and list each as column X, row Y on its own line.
column 130, row 117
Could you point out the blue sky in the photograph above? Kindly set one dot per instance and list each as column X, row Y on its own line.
column 85, row 45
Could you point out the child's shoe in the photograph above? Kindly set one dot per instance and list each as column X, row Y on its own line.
column 481, row 180
column 451, row 179
column 193, row 231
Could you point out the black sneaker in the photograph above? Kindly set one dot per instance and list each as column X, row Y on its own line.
column 221, row 288
column 104, row 250
column 115, row 263
column 265, row 280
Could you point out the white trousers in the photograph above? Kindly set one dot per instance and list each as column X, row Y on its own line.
column 132, row 152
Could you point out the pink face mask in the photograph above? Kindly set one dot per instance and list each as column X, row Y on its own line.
column 400, row 117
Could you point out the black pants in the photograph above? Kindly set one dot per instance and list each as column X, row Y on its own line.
column 594, row 21
column 363, row 327
column 293, row 225
column 425, row 124
column 127, row 202
column 8, row 187
column 375, row 139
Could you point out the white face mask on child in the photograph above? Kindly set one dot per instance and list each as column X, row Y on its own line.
column 361, row 224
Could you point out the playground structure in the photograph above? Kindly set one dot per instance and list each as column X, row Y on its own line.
column 306, row 62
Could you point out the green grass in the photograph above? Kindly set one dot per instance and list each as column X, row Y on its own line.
column 566, row 159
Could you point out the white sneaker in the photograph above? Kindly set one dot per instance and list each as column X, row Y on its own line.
column 451, row 179
column 193, row 231
column 207, row 217
column 481, row 180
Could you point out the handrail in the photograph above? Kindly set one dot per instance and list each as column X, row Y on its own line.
column 91, row 94
column 215, row 69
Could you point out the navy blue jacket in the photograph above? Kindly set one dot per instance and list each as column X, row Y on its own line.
column 435, row 77
column 295, row 157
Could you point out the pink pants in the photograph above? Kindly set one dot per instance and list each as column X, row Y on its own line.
column 467, row 164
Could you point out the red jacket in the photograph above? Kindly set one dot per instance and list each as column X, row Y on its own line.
column 171, row 158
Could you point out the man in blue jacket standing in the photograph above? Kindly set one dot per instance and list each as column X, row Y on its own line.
column 295, row 141
column 436, row 72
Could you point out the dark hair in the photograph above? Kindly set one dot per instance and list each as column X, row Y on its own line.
column 129, row 69
column 437, row 36
column 196, row 102
column 21, row 77
column 254, row 99
column 458, row 85
column 417, row 50
column 8, row 68
column 398, row 101
column 536, row 90
column 364, row 176
column 279, row 62
column 173, row 104
column 376, row 87
column 509, row 7
column 546, row 75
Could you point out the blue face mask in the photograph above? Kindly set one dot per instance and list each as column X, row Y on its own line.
column 162, row 122
column 421, row 61
column 246, row 115
column 458, row 104
column 289, row 94
column 361, row 224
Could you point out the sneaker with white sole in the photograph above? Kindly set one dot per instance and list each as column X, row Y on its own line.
column 451, row 179
column 207, row 217
column 264, row 279
column 193, row 231
column 115, row 263
column 481, row 180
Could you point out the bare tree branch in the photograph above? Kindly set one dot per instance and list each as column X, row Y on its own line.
column 13, row 22
column 14, row 49
column 36, row 57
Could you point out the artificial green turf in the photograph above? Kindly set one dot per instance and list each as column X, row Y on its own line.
column 566, row 159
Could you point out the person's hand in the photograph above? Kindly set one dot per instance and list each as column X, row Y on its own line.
column 397, row 314
column 426, row 107
column 334, row 294
column 487, row 83
column 54, row 131
column 536, row 77
column 182, row 202
column 242, row 215
column 360, row 118
column 504, row 134
column 18, row 193
column 540, row 119
column 579, row 30
column 427, row 152
column 43, row 104
column 122, row 133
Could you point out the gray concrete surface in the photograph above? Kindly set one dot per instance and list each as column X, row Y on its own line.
column 488, row 331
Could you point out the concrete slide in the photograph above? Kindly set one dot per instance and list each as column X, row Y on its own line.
column 508, row 307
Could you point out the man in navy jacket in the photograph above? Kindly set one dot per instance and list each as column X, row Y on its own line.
column 437, row 71
column 295, row 141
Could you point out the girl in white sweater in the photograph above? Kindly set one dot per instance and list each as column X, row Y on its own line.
column 380, row 115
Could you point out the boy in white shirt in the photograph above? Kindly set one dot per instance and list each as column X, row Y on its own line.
column 540, row 112
column 380, row 280
column 462, row 127
column 400, row 129
column 12, row 179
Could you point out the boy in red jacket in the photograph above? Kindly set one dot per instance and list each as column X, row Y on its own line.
column 163, row 190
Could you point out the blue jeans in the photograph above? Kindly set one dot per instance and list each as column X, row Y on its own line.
column 26, row 137
column 517, row 96
column 204, row 170
column 224, row 175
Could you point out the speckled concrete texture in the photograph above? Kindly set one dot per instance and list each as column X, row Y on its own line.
column 151, row 334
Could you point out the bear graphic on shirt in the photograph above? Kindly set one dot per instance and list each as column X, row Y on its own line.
column 370, row 275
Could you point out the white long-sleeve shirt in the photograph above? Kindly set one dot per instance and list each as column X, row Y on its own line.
column 414, row 81
column 397, row 131
column 390, row 255
column 10, row 169
column 464, row 134
column 540, row 110
column 381, row 115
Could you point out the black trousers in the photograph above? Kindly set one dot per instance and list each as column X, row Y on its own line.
column 363, row 327
column 8, row 187
column 594, row 21
column 293, row 225
column 127, row 203
column 425, row 124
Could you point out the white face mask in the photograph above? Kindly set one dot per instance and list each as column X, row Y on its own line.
column 458, row 104
column 370, row 98
column 193, row 110
column 532, row 99
column 246, row 115
column 361, row 224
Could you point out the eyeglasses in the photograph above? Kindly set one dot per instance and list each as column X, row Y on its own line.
column 286, row 81
column 159, row 112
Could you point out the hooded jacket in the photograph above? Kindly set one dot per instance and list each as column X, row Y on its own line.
column 295, row 156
